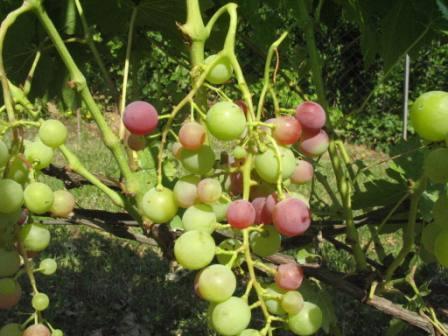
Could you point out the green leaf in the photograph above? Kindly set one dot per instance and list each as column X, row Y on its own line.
column 176, row 224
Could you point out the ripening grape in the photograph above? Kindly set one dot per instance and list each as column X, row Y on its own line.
column 53, row 133
column 17, row 170
column 140, row 118
column 249, row 332
column 40, row 301
column 274, row 304
column 429, row 115
column 231, row 316
column 39, row 154
column 239, row 153
column 265, row 243
column 4, row 154
column 198, row 162
column 311, row 115
column 11, row 329
column 159, row 205
column 292, row 302
column 199, row 217
column 291, row 217
column 314, row 143
column 441, row 248
column 226, row 121
column 192, row 135
column 436, row 165
column 185, row 190
column 429, row 234
column 10, row 263
column 287, row 130
column 289, row 276
column 10, row 293
column 37, row 330
column 220, row 209
column 241, row 214
column 209, row 190
column 63, row 203
column 34, row 237
column 266, row 164
column 136, row 142
column 48, row 266
column 440, row 209
column 11, row 196
column 221, row 72
column 216, row 283
column 38, row 197
column 303, row 173
column 176, row 149
column 307, row 321
column 230, row 244
column 194, row 249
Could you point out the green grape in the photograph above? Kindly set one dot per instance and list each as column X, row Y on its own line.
column 307, row 321
column 219, row 73
column 239, row 153
column 57, row 332
column 63, row 203
column 199, row 217
column 220, row 209
column 441, row 248
column 267, row 242
column 4, row 154
column 216, row 283
column 38, row 197
column 249, row 332
column 39, row 154
column 273, row 304
column 198, row 162
column 230, row 244
column 10, row 293
column 436, row 165
column 17, row 170
column 194, row 249
column 186, row 191
column 429, row 234
column 440, row 209
column 53, row 133
column 40, row 301
column 10, row 263
column 159, row 205
column 266, row 164
column 48, row 266
column 292, row 302
column 11, row 329
column 11, row 196
column 226, row 121
column 231, row 316
column 34, row 237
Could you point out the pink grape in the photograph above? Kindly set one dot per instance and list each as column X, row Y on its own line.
column 287, row 130
column 291, row 217
column 303, row 173
column 263, row 213
column 209, row 190
column 192, row 135
column 289, row 276
column 311, row 115
column 140, row 118
column 241, row 214
column 314, row 143
column 136, row 142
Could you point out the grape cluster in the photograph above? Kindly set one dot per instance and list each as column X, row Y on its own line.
column 22, row 238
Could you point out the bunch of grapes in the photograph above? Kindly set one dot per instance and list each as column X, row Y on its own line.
column 22, row 238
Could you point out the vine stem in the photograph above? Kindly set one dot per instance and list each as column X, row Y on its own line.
column 30, row 76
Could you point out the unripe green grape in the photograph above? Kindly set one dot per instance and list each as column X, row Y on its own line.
column 220, row 209
column 159, row 205
column 38, row 197
column 57, row 332
column 48, row 266
column 40, row 301
column 216, row 283
column 34, row 237
column 249, row 332
column 199, row 217
column 436, row 165
column 239, row 153
column 307, row 321
column 53, row 133
column 266, row 164
column 11, row 329
column 63, row 203
column 429, row 234
column 39, row 154
column 226, row 121
column 231, row 316
column 441, row 248
column 219, row 73
column 194, row 249
column 292, row 302
column 440, row 209
column 10, row 293
column 10, row 263
column 230, row 244
column 274, row 305
column 11, row 196
column 17, row 170
column 4, row 154
column 198, row 162
column 267, row 242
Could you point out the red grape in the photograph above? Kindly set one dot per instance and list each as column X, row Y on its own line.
column 136, row 142
column 236, row 184
column 263, row 210
column 314, row 143
column 287, row 130
column 192, row 135
column 289, row 276
column 291, row 217
column 311, row 115
column 140, row 118
column 241, row 214
column 303, row 173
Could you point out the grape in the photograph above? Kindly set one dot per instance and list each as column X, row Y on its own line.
column 300, row 197
column 307, row 321
column 291, row 217
column 209, row 190
column 231, row 316
column 4, row 154
column 226, row 121
column 63, row 203
column 192, row 135
column 436, row 165
column 262, row 216
column 440, row 209
column 429, row 234
column 266, row 164
column 216, row 283
column 220, row 209
column 11, row 196
column 303, row 173
column 199, row 217
column 249, row 332
column 241, row 214
column 34, row 237
column 136, row 142
column 287, row 130
column 230, row 245
column 57, row 332
column 8, row 228
column 198, row 162
column 159, row 205
column 292, row 302
column 185, row 191
column 176, row 150
column 289, row 276
column 311, row 115
column 10, row 293
column 11, row 329
column 17, row 170
column 236, row 183
column 194, row 249
column 39, row 154
column 10, row 262
column 140, row 118
column 429, row 115
column 38, row 198
column 37, row 330
column 273, row 304
column 53, row 133
column 314, row 143
column 265, row 243
column 239, row 153
column 440, row 248
column 40, row 301
column 221, row 72
column 48, row 266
